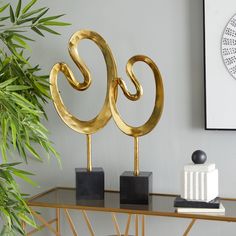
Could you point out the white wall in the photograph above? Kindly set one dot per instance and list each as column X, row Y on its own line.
column 170, row 32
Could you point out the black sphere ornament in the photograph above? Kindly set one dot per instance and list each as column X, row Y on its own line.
column 199, row 157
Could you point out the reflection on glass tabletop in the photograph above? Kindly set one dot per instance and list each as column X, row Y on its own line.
column 160, row 204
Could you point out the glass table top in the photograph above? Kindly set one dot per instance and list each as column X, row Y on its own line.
column 160, row 204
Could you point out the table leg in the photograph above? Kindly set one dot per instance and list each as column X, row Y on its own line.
column 189, row 227
column 143, row 225
column 136, row 225
column 88, row 223
column 40, row 227
column 117, row 228
column 45, row 223
column 58, row 222
column 71, row 224
column 127, row 225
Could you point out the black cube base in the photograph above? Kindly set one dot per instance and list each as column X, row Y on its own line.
column 135, row 189
column 89, row 184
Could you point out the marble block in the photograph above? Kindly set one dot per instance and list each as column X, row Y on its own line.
column 200, row 182
column 89, row 184
column 135, row 189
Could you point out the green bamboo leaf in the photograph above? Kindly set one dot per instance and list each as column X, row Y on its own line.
column 26, row 130
column 20, row 22
column 28, row 6
column 13, row 133
column 4, row 129
column 42, row 143
column 17, row 87
column 32, row 13
column 8, row 177
column 2, row 209
column 4, row 229
column 21, row 41
column 14, row 170
column 56, row 23
column 40, row 133
column 34, row 69
column 55, row 153
column 4, row 18
column 43, row 128
column 21, row 149
column 23, row 37
column 48, row 29
column 52, row 149
column 17, row 223
column 44, row 77
column 12, row 17
column 40, row 15
column 4, row 7
column 50, row 18
column 4, row 153
column 36, row 30
column 27, row 220
column 5, row 126
column 28, row 111
column 32, row 151
column 21, row 98
column 18, row 8
column 13, row 50
column 10, row 164
column 42, row 89
column 17, row 46
column 7, row 82
column 18, row 229
column 25, row 178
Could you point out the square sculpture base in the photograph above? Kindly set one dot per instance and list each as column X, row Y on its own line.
column 181, row 202
column 135, row 189
column 89, row 184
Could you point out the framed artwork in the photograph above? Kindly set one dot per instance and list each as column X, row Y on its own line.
column 220, row 64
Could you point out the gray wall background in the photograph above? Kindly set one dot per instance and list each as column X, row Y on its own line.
column 171, row 33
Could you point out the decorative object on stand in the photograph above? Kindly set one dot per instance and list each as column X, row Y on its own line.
column 220, row 64
column 135, row 186
column 89, row 181
column 200, row 187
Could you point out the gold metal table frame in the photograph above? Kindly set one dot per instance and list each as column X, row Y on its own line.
column 63, row 200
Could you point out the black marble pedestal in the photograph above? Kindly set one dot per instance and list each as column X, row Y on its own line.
column 181, row 202
column 135, row 189
column 89, row 184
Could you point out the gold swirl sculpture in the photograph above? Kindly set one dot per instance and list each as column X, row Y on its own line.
column 97, row 123
column 158, row 106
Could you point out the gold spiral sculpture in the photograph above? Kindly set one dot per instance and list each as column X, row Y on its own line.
column 97, row 123
column 158, row 106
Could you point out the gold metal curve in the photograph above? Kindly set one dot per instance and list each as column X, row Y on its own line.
column 136, row 132
column 97, row 123
column 159, row 99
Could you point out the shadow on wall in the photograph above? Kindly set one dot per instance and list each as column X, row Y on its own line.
column 196, row 63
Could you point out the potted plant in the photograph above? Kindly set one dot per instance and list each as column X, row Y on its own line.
column 23, row 94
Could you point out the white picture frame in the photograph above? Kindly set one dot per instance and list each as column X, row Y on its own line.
column 220, row 77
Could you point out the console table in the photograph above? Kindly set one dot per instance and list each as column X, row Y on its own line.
column 63, row 200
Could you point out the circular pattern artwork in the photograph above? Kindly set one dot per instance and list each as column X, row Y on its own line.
column 228, row 46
